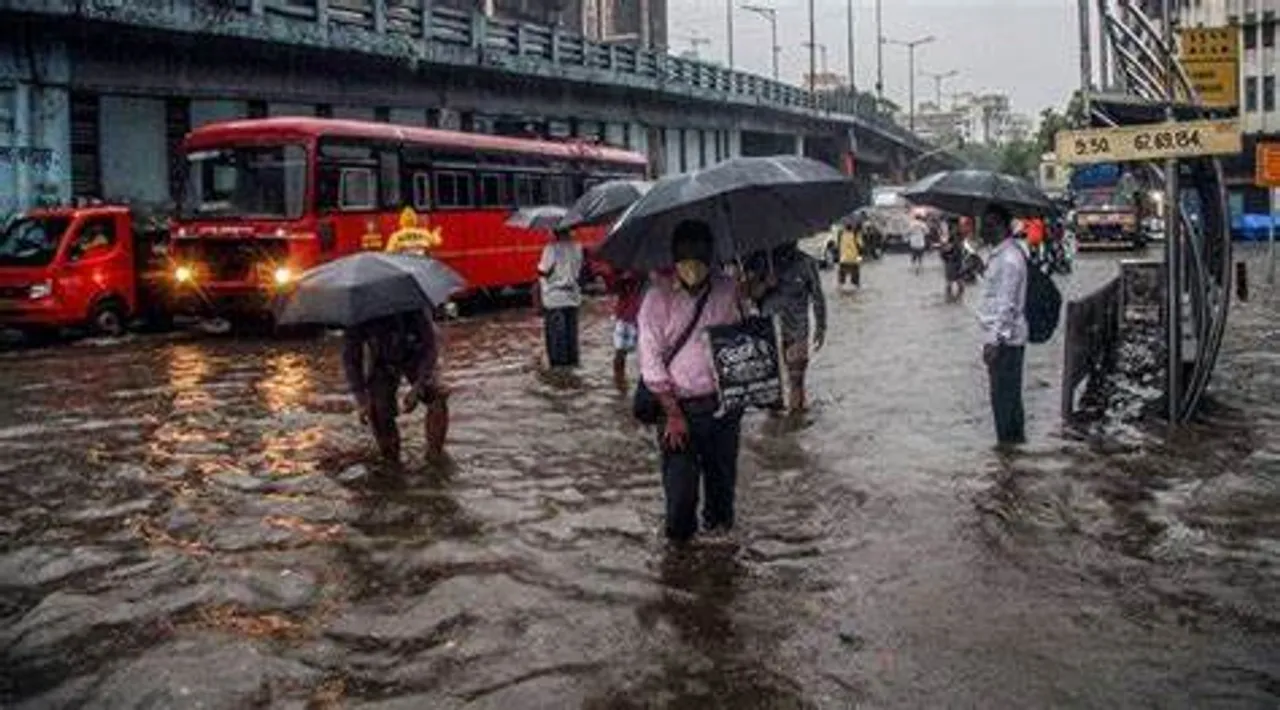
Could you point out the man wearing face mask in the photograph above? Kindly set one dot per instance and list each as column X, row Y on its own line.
column 1003, row 319
column 697, row 446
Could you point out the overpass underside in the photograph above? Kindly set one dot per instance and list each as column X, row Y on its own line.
column 99, row 108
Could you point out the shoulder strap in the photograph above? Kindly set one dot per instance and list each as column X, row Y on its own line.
column 688, row 329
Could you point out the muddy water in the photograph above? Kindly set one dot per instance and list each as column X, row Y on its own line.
column 197, row 521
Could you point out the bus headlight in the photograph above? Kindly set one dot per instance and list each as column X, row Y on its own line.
column 283, row 276
column 183, row 274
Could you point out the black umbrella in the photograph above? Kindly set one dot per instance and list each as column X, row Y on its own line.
column 604, row 202
column 368, row 285
column 542, row 217
column 970, row 192
column 751, row 204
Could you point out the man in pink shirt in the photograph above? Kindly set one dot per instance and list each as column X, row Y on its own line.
column 697, row 446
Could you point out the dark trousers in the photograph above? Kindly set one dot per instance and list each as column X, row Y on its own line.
column 1005, row 372
column 561, row 328
column 709, row 461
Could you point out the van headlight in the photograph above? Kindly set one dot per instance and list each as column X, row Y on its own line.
column 183, row 274
column 283, row 275
column 44, row 289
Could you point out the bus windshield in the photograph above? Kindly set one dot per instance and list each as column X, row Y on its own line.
column 32, row 241
column 265, row 182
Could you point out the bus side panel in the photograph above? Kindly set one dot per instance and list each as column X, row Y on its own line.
column 483, row 250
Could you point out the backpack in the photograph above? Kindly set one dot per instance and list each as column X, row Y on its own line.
column 1044, row 305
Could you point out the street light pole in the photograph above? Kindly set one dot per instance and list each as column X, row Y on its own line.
column 728, row 13
column 771, row 15
column 812, row 45
column 938, row 78
column 852, row 83
column 879, row 52
column 911, row 69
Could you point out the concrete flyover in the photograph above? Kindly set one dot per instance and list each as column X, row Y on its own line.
column 95, row 94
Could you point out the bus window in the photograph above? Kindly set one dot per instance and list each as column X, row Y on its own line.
column 421, row 191
column 558, row 191
column 530, row 190
column 453, row 189
column 389, row 179
column 357, row 189
column 493, row 190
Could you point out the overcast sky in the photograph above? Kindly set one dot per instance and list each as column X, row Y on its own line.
column 1025, row 48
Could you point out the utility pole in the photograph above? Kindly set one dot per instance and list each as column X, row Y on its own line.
column 728, row 14
column 1172, row 239
column 880, row 52
column 853, row 84
column 911, row 73
column 1086, row 60
column 771, row 15
column 938, row 78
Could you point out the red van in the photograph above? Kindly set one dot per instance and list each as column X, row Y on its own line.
column 66, row 267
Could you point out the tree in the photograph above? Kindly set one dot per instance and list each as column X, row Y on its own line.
column 1021, row 158
column 1051, row 121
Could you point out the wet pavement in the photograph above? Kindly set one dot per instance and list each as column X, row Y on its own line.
column 196, row 521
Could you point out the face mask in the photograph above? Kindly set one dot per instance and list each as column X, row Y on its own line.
column 691, row 272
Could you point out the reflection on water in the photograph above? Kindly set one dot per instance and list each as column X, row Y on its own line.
column 171, row 506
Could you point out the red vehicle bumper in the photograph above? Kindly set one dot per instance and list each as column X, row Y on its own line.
column 223, row 299
column 42, row 313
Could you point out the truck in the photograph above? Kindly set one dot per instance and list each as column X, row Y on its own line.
column 889, row 216
column 1106, row 208
column 97, row 267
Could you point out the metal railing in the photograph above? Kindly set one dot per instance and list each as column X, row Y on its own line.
column 1089, row 344
column 517, row 44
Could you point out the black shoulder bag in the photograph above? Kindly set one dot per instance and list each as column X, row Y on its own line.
column 645, row 406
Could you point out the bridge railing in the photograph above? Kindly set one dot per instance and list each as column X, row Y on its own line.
column 1090, row 344
column 503, row 40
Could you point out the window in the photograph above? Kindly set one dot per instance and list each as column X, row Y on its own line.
column 1269, row 93
column 263, row 182
column 421, row 191
column 493, row 190
column 1269, row 33
column 1250, row 36
column 453, row 189
column 32, row 241
column 356, row 188
column 389, row 178
column 530, row 190
column 1251, row 93
column 96, row 234
column 558, row 191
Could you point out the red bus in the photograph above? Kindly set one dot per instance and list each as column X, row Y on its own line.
column 265, row 199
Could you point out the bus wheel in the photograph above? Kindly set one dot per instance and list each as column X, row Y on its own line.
column 108, row 318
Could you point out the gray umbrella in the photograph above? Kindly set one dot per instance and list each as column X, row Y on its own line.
column 970, row 192
column 604, row 202
column 368, row 285
column 540, row 217
column 751, row 204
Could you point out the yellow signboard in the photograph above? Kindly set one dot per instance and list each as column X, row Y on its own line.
column 1211, row 56
column 1155, row 141
column 1217, row 84
column 1209, row 43
column 1268, row 164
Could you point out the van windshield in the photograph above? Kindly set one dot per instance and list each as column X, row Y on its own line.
column 263, row 182
column 32, row 241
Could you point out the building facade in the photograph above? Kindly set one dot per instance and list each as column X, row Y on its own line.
column 974, row 118
column 1259, row 105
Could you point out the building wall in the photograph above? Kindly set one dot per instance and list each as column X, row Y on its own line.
column 35, row 128
column 133, row 157
column 1259, row 25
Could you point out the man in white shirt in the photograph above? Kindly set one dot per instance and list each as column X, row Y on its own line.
column 560, row 296
column 1003, row 319
column 917, row 241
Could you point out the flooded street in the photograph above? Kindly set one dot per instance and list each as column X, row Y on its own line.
column 196, row 521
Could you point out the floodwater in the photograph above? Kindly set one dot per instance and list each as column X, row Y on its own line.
column 197, row 521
